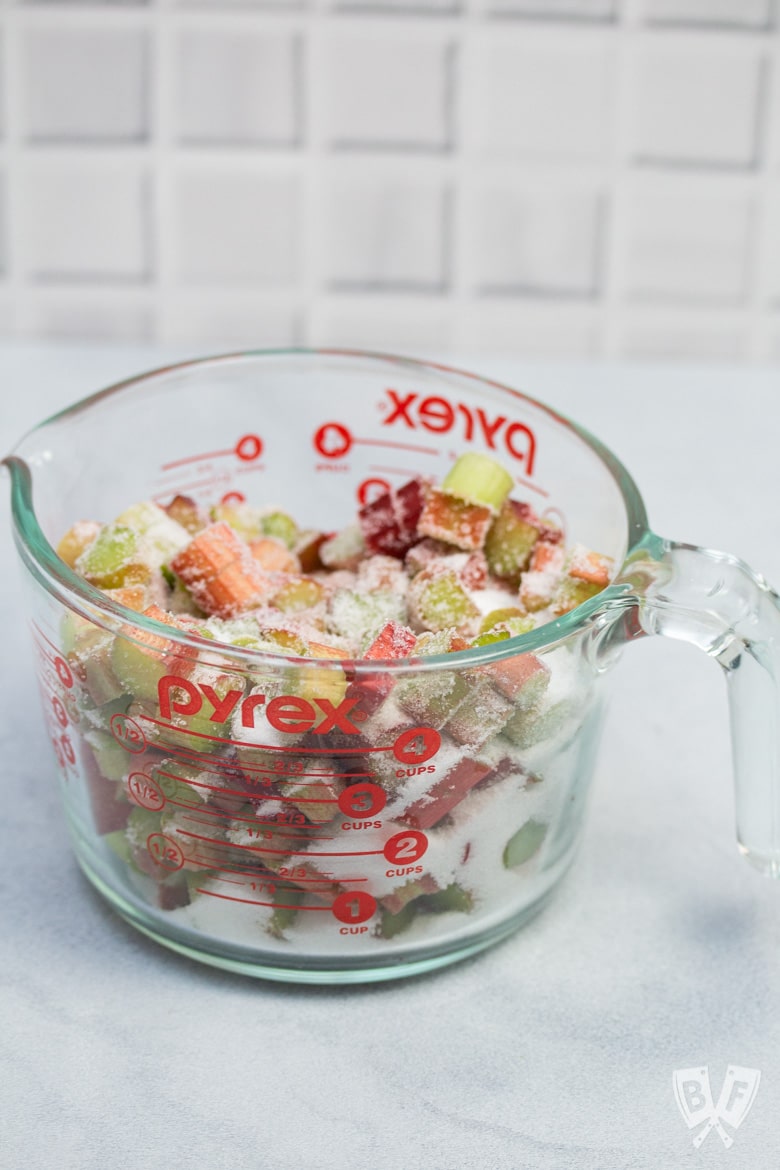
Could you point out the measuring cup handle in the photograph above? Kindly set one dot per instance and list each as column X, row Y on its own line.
column 715, row 601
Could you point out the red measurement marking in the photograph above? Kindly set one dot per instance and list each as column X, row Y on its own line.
column 271, row 876
column 534, row 488
column 128, row 734
column 233, row 498
column 362, row 800
column 47, row 640
column 399, row 446
column 144, row 791
column 255, row 902
column 265, row 747
column 247, row 448
column 416, row 745
column 64, row 673
column 250, row 820
column 60, row 714
column 283, row 852
column 404, row 848
column 164, row 852
column 67, row 748
column 409, row 472
column 354, row 907
column 370, row 490
column 333, row 440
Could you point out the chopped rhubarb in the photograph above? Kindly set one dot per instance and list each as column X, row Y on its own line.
column 445, row 794
column 457, row 522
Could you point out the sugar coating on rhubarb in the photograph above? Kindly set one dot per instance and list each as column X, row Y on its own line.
column 254, row 764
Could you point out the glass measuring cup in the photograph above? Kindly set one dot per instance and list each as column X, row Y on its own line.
column 333, row 821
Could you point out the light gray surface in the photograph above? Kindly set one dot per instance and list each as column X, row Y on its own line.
column 554, row 1050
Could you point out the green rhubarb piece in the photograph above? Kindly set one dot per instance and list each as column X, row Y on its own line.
column 91, row 653
column 509, row 543
column 286, row 903
column 344, row 550
column 431, row 698
column 176, row 781
column 280, row 526
column 112, row 760
column 478, row 479
column 532, row 725
column 246, row 521
column 441, row 602
column 573, row 592
column 119, row 844
column 501, row 616
column 298, row 595
column 161, row 536
column 392, row 924
column 497, row 634
column 522, row 845
column 138, row 668
column 453, row 897
column 359, row 617
column 109, row 558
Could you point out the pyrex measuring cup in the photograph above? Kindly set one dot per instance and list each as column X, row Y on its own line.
column 329, row 821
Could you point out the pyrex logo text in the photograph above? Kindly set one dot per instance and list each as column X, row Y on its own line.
column 439, row 416
column 287, row 713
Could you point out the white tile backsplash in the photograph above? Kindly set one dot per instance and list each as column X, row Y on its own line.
column 237, row 87
column 738, row 13
column 86, row 84
column 235, row 227
column 388, row 92
column 694, row 107
column 543, row 241
column 85, row 221
column 538, row 177
column 387, row 233
column 542, row 101
column 688, row 247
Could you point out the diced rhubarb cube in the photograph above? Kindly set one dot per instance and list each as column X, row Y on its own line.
column 438, row 601
column 316, row 797
column 379, row 526
column 481, row 715
column 220, row 573
column 77, row 540
column 510, row 541
column 537, row 589
column 424, row 553
column 478, row 479
column 589, row 566
column 523, row 679
column 188, row 513
column 370, row 690
column 297, row 595
column 475, row 571
column 389, row 523
column 445, row 794
column 406, row 893
column 307, row 550
column 274, row 556
column 409, row 503
column 547, row 557
column 345, row 550
column 455, row 521
column 392, row 641
column 110, row 809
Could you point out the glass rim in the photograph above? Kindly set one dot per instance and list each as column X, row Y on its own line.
column 65, row 584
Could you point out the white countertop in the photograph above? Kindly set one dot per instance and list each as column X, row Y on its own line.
column 553, row 1050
